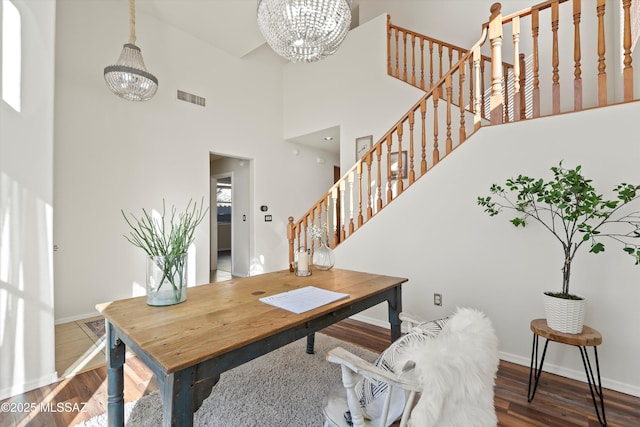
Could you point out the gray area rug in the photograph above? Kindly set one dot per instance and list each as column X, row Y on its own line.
column 286, row 387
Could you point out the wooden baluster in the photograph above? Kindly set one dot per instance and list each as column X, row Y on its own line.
column 430, row 64
column 369, row 200
column 555, row 59
column 359, row 172
column 496, row 102
column 450, row 58
column 449, row 89
column 312, row 222
column 462, row 136
column 627, row 72
column 440, row 57
column 535, row 94
column 515, row 23
column 477, row 96
column 523, row 84
column 423, row 113
column 351, row 224
column 413, row 59
column 305, row 222
column 602, row 75
column 505, row 93
column 379, row 182
column 404, row 59
column 482, row 88
column 389, row 45
column 327, row 226
column 436, row 152
column 422, row 63
column 326, row 216
column 334, row 208
column 401, row 165
column 472, row 83
column 343, row 188
column 577, row 56
column 397, row 55
column 291, row 238
column 412, row 174
column 389, row 189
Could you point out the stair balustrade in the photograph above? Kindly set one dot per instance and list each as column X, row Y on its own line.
column 461, row 97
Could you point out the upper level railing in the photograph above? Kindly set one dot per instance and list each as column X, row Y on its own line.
column 462, row 97
column 570, row 72
column 420, row 60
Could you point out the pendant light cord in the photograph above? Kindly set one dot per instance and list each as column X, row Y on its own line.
column 132, row 22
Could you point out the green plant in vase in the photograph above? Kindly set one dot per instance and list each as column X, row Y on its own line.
column 569, row 207
column 166, row 240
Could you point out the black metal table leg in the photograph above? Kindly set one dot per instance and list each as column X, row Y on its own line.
column 594, row 387
column 535, row 371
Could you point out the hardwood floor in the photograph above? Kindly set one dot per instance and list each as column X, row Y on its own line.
column 559, row 401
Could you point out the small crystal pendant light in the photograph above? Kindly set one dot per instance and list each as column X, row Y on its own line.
column 129, row 78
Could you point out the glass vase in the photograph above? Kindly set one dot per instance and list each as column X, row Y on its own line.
column 323, row 258
column 166, row 279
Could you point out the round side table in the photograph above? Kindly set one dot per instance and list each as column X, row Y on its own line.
column 588, row 338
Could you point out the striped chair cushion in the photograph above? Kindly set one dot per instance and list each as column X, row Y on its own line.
column 372, row 393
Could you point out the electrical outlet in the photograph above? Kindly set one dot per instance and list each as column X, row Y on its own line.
column 437, row 299
column 268, row 218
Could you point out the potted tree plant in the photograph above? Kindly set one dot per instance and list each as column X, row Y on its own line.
column 570, row 208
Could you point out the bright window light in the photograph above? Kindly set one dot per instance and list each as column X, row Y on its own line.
column 11, row 54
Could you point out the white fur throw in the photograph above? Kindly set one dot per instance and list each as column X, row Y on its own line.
column 457, row 370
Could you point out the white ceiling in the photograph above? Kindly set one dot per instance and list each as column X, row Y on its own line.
column 230, row 25
column 227, row 24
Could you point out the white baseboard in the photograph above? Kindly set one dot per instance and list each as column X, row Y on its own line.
column 78, row 317
column 28, row 386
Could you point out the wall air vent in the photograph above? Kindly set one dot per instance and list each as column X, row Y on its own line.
column 189, row 97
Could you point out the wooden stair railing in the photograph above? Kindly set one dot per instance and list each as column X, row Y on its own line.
column 418, row 60
column 448, row 111
column 413, row 145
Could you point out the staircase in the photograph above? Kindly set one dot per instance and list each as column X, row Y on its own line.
column 466, row 90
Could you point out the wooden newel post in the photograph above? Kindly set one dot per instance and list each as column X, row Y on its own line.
column 496, row 102
column 291, row 237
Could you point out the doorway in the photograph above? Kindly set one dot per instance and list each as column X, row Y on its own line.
column 230, row 196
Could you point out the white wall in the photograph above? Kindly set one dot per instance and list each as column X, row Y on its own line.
column 112, row 154
column 26, row 207
column 436, row 235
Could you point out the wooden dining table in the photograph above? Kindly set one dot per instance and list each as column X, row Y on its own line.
column 223, row 325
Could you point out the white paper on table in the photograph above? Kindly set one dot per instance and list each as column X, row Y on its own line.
column 303, row 299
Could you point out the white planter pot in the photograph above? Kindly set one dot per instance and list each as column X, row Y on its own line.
column 564, row 315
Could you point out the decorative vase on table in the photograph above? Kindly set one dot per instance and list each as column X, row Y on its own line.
column 166, row 279
column 323, row 258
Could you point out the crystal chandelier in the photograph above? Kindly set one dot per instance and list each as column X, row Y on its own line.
column 129, row 78
column 304, row 30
